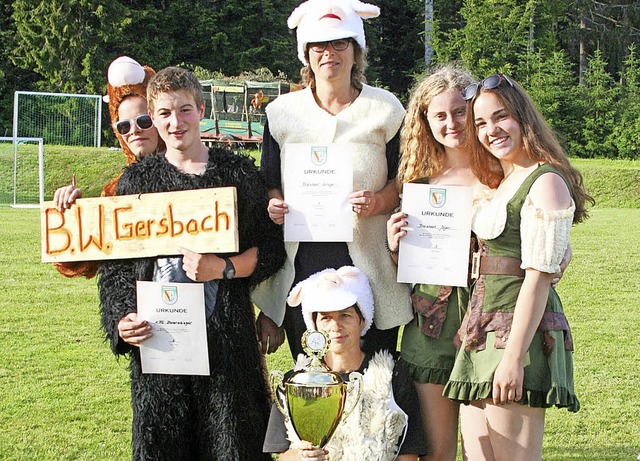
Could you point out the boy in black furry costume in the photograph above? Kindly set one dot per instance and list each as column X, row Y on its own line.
column 222, row 416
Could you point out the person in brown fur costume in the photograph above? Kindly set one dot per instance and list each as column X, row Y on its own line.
column 130, row 121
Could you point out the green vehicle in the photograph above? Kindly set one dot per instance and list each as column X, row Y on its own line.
column 235, row 112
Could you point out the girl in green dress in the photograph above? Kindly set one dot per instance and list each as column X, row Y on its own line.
column 434, row 150
column 516, row 357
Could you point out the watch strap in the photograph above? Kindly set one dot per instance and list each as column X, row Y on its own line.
column 229, row 271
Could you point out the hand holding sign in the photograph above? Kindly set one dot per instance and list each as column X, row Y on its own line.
column 135, row 226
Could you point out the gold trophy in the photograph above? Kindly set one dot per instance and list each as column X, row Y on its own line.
column 314, row 398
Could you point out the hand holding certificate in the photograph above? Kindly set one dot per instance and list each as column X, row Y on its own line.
column 436, row 247
column 177, row 315
column 317, row 183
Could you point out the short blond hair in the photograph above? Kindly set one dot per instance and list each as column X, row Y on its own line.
column 171, row 79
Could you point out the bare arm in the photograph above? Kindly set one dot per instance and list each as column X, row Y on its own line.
column 66, row 196
column 395, row 231
column 132, row 330
column 308, row 453
column 407, row 458
column 509, row 376
column 566, row 259
column 205, row 267
column 270, row 335
column 290, row 455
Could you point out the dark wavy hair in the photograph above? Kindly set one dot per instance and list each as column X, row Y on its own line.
column 539, row 142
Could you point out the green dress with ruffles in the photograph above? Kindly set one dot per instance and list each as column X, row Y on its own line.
column 428, row 350
column 548, row 370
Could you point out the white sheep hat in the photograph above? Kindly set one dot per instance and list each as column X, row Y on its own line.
column 326, row 20
column 334, row 290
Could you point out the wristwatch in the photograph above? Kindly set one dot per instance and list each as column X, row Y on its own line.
column 229, row 271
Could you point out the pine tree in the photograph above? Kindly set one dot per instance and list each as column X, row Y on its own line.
column 598, row 103
column 552, row 85
column 64, row 41
column 626, row 132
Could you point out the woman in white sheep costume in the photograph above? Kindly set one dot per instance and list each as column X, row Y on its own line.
column 385, row 423
column 337, row 107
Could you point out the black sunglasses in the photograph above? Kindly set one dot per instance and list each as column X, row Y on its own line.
column 340, row 44
column 489, row 83
column 143, row 122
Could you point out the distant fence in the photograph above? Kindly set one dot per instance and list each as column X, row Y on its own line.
column 21, row 172
column 58, row 118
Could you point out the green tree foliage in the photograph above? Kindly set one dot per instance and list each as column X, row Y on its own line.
column 598, row 98
column 495, row 32
column 396, row 51
column 446, row 20
column 228, row 37
column 6, row 87
column 254, row 34
column 64, row 41
column 608, row 25
column 500, row 35
column 626, row 132
column 552, row 85
column 12, row 78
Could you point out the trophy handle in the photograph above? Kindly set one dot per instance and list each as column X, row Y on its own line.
column 355, row 380
column 278, row 389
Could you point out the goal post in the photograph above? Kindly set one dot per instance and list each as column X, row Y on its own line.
column 58, row 118
column 21, row 172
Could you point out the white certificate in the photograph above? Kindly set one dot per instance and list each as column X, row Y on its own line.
column 436, row 247
column 318, row 180
column 176, row 313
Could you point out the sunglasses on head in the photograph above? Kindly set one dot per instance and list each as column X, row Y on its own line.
column 340, row 44
column 489, row 83
column 143, row 122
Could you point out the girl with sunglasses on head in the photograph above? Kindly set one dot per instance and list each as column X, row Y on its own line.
column 516, row 357
column 127, row 98
column 435, row 150
column 337, row 106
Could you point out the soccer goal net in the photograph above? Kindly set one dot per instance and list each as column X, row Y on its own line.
column 58, row 118
column 21, row 172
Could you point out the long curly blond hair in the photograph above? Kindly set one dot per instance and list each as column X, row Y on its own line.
column 539, row 142
column 421, row 155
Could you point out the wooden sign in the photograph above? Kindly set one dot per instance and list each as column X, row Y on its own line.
column 136, row 226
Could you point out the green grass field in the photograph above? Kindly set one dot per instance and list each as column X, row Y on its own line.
column 64, row 396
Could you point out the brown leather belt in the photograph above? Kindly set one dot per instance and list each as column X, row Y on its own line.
column 495, row 265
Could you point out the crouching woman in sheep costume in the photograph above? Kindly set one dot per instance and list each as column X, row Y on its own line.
column 385, row 424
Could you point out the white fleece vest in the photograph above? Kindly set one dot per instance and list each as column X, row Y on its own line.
column 368, row 124
column 375, row 429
